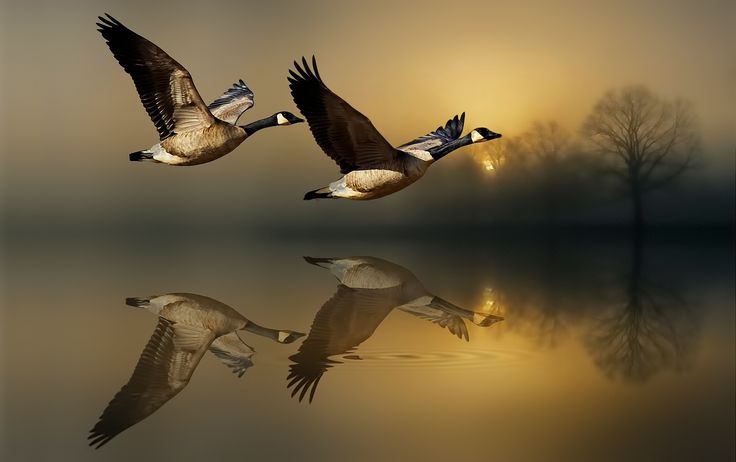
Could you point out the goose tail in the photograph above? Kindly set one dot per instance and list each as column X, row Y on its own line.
column 321, row 262
column 321, row 193
column 138, row 302
column 141, row 156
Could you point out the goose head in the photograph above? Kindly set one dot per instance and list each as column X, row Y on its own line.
column 482, row 134
column 287, row 118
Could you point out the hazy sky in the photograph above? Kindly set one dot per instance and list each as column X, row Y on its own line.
column 70, row 114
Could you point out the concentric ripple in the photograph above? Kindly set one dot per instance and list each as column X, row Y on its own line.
column 466, row 358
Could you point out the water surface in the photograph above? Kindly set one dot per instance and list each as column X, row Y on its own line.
column 529, row 347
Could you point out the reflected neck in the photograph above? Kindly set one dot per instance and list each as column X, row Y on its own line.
column 441, row 151
column 259, row 124
column 262, row 331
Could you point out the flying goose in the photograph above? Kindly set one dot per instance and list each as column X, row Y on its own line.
column 372, row 168
column 190, row 132
column 188, row 326
column 369, row 289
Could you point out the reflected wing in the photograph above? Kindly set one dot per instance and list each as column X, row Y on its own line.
column 443, row 135
column 343, row 133
column 166, row 89
column 478, row 318
column 233, row 103
column 452, row 322
column 163, row 370
column 233, row 352
column 345, row 321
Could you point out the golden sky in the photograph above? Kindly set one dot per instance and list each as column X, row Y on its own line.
column 71, row 115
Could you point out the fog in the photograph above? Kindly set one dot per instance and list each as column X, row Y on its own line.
column 70, row 115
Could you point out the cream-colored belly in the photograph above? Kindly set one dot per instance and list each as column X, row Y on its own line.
column 371, row 184
column 198, row 147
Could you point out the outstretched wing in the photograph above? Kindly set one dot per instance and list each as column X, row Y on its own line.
column 443, row 135
column 345, row 321
column 452, row 322
column 165, row 87
column 233, row 103
column 163, row 370
column 233, row 352
column 343, row 133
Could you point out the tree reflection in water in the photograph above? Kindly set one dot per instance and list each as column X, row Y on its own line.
column 650, row 330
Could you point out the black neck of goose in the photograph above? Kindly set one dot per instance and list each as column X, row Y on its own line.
column 441, row 151
column 259, row 124
column 262, row 331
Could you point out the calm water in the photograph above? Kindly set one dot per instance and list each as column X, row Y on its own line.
column 498, row 348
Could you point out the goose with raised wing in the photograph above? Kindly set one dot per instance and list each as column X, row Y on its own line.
column 190, row 132
column 188, row 326
column 369, row 290
column 370, row 165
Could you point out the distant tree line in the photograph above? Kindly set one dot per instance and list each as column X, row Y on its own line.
column 632, row 142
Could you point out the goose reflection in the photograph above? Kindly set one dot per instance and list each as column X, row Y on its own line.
column 369, row 289
column 188, row 326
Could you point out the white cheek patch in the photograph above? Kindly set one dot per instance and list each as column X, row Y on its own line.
column 283, row 336
column 475, row 136
column 281, row 120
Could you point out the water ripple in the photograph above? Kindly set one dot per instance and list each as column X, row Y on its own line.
column 466, row 358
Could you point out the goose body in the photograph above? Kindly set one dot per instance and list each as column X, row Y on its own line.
column 371, row 166
column 370, row 273
column 369, row 290
column 197, row 146
column 190, row 132
column 188, row 326
column 373, row 183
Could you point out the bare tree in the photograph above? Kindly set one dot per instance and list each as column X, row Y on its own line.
column 547, row 141
column 651, row 141
column 544, row 143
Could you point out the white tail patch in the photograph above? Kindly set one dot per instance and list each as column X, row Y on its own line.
column 160, row 154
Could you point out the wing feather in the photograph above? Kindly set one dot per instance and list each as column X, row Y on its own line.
column 343, row 133
column 165, row 87
column 442, row 135
column 233, row 352
column 345, row 321
column 163, row 370
column 233, row 103
column 452, row 322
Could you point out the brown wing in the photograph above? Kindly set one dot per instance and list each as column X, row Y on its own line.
column 343, row 133
column 163, row 370
column 165, row 87
column 345, row 321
